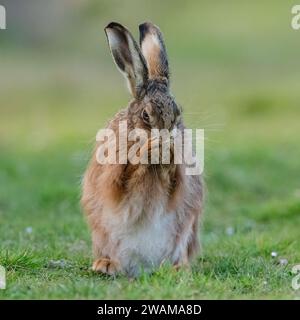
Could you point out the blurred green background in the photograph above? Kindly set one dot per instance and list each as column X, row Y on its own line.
column 235, row 69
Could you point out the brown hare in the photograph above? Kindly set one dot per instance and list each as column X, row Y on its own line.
column 142, row 215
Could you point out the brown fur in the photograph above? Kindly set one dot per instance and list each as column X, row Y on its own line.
column 122, row 200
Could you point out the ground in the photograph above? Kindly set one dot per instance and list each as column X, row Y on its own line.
column 240, row 85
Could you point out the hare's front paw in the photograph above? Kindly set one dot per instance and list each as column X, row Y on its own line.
column 106, row 266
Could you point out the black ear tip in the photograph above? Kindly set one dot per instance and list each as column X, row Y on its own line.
column 146, row 27
column 113, row 25
column 143, row 31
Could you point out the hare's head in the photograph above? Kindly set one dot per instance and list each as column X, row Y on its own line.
column 146, row 70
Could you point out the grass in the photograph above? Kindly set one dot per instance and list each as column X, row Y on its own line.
column 41, row 192
column 239, row 87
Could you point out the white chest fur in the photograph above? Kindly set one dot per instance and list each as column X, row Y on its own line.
column 146, row 244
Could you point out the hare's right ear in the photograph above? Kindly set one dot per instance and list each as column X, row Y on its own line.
column 154, row 51
column 128, row 58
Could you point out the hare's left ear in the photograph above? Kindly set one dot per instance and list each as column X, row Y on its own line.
column 154, row 51
column 128, row 58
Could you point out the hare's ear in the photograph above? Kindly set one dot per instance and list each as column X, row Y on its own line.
column 154, row 51
column 128, row 58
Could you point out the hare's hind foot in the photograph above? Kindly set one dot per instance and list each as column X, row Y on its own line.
column 106, row 266
column 183, row 263
column 182, row 266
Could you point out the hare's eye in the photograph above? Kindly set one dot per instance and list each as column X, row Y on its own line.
column 145, row 116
